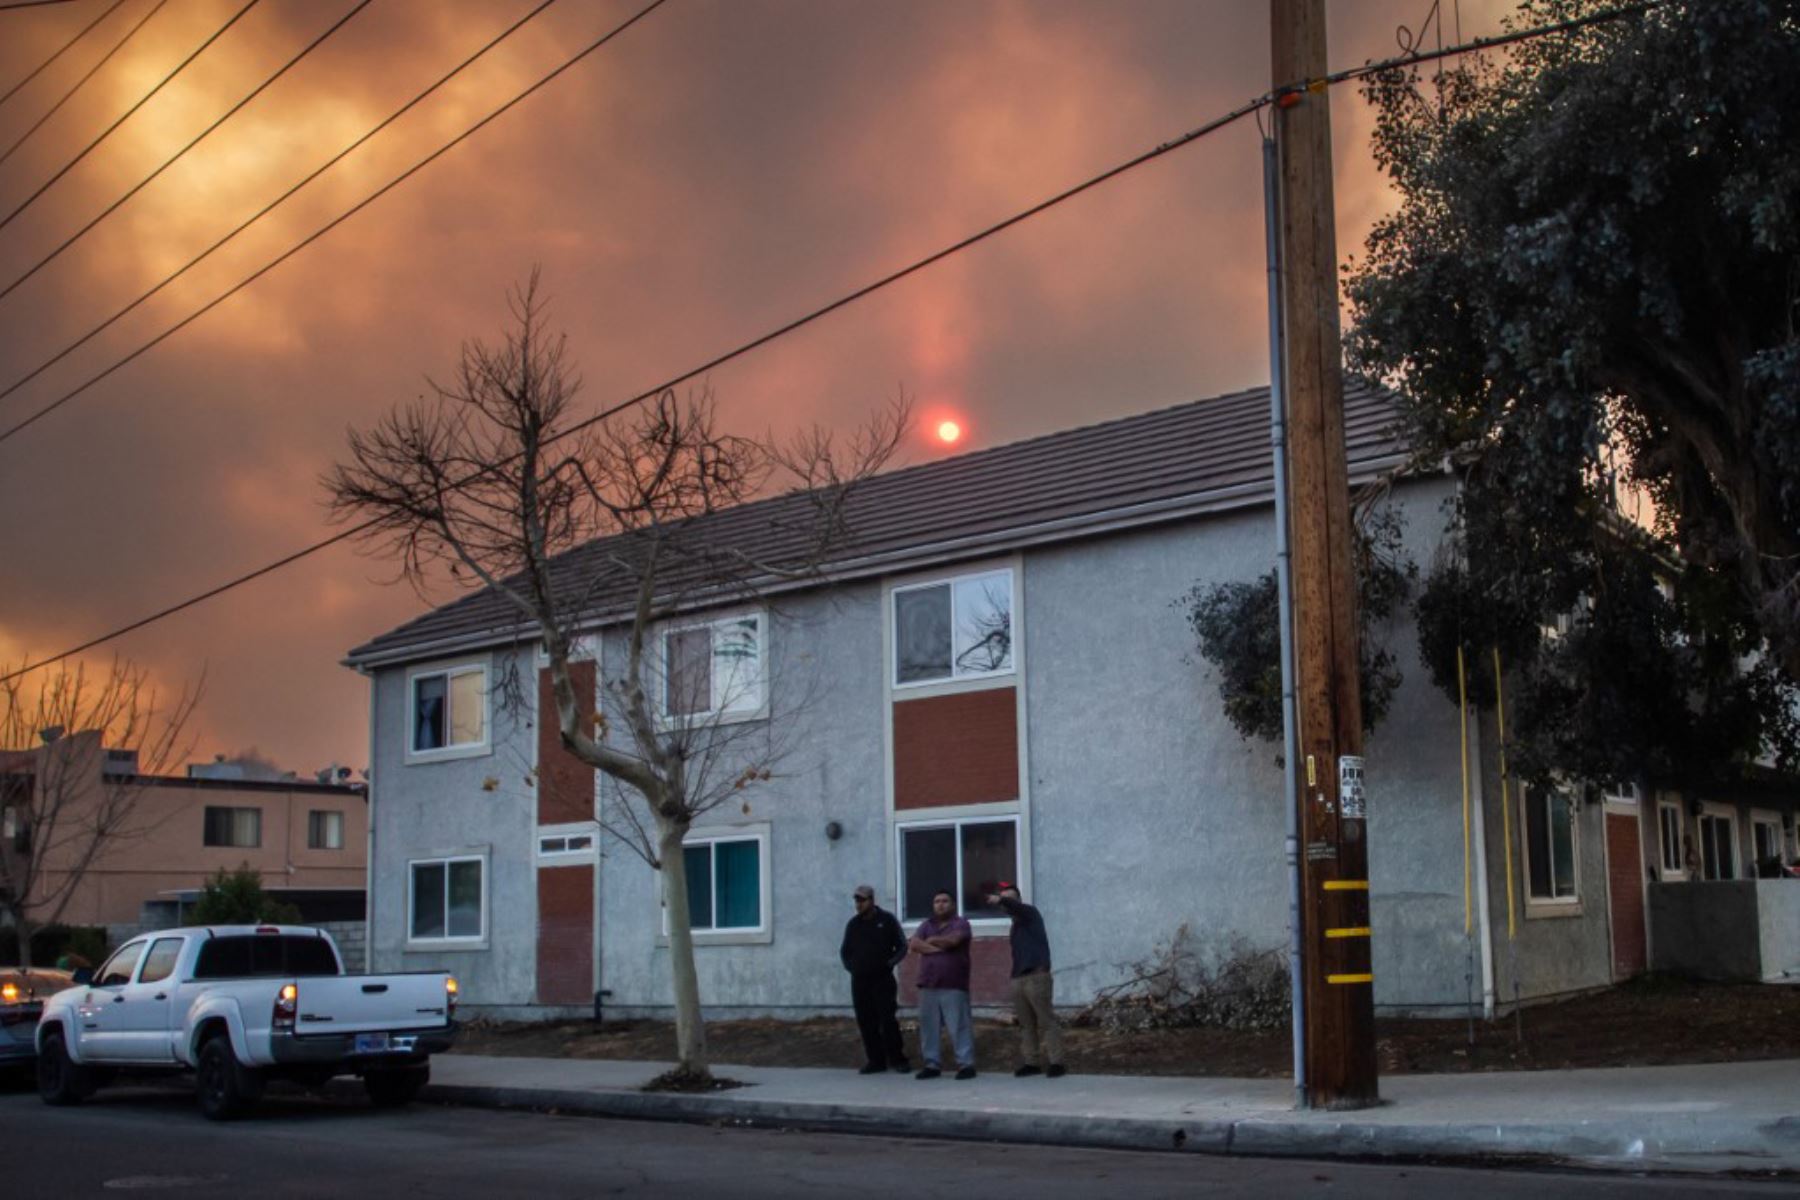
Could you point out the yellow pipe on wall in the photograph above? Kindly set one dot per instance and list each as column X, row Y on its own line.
column 1505, row 800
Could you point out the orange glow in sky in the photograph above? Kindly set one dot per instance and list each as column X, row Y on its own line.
column 949, row 432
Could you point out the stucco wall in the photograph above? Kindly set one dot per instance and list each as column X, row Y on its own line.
column 1144, row 810
column 1778, row 916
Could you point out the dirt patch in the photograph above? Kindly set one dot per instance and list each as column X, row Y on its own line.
column 689, row 1081
column 1648, row 1022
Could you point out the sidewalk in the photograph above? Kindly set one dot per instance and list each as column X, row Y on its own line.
column 1725, row 1117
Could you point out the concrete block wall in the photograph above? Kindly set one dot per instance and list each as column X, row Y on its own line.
column 352, row 938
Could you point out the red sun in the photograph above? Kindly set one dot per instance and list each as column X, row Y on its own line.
column 949, row 432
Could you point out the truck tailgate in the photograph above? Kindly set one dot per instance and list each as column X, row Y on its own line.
column 367, row 1003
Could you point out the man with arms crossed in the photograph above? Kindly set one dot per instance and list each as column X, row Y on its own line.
column 943, row 942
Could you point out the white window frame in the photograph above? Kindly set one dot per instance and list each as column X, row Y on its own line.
column 1762, row 816
column 713, row 716
column 763, row 933
column 1664, row 871
column 1550, row 906
column 452, row 750
column 554, row 849
column 903, row 825
column 462, row 941
column 1728, row 814
column 950, row 581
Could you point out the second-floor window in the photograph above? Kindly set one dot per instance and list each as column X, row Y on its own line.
column 713, row 669
column 449, row 709
column 954, row 629
column 237, row 827
column 324, row 830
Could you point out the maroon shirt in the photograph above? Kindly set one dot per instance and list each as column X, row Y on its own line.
column 948, row 970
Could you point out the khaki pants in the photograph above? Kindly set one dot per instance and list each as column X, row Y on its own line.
column 1038, row 1028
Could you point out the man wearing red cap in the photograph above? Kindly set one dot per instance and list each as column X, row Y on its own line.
column 1040, row 1035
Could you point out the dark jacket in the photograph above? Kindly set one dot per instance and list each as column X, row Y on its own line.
column 873, row 944
column 1030, row 941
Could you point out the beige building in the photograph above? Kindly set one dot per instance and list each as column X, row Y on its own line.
column 308, row 840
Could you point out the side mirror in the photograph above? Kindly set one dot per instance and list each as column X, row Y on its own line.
column 83, row 975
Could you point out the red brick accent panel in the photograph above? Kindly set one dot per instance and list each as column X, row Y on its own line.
column 565, row 785
column 962, row 748
column 565, row 935
column 1625, row 872
column 990, row 971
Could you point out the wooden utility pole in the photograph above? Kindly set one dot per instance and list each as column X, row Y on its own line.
column 1338, row 975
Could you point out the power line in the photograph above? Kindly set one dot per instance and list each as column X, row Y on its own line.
column 12, row 4
column 1268, row 98
column 329, row 225
column 197, row 139
column 60, row 50
column 20, row 382
column 76, row 87
column 126, row 116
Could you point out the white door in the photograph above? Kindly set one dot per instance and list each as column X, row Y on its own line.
column 103, row 1008
column 143, row 1030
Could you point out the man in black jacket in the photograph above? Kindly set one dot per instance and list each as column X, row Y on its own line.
column 1040, row 1036
column 873, row 946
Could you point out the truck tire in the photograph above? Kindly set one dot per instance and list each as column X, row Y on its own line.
column 61, row 1080
column 227, row 1089
column 396, row 1086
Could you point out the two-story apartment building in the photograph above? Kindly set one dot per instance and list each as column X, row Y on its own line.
column 1001, row 684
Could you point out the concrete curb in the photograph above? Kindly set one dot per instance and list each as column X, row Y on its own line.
column 1689, row 1144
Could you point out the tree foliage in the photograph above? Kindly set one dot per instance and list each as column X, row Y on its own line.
column 1587, row 300
column 1237, row 630
column 237, row 898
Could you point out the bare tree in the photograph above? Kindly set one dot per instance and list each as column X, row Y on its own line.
column 627, row 522
column 77, row 753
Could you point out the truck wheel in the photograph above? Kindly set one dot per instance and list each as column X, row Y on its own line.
column 61, row 1080
column 227, row 1089
column 395, row 1087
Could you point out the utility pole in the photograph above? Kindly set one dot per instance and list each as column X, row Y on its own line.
column 1338, row 977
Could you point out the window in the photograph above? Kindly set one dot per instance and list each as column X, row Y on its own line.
column 968, row 858
column 262, row 955
column 957, row 629
column 449, row 709
column 1669, row 837
column 117, row 970
column 446, row 900
column 1765, row 840
column 574, row 843
column 725, row 884
column 1549, row 829
column 159, row 964
column 239, row 827
column 713, row 669
column 1718, row 844
column 15, row 811
column 324, row 829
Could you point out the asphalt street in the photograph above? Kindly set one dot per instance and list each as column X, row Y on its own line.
column 153, row 1139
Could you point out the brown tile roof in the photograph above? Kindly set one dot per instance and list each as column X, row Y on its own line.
column 1202, row 456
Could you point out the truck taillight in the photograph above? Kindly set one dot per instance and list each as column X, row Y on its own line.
column 450, row 996
column 287, row 1002
column 9, row 992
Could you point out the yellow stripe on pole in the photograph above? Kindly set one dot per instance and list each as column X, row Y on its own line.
column 1350, row 979
column 1358, row 931
column 1346, row 885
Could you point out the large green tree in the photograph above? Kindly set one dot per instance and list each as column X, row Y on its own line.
column 1589, row 291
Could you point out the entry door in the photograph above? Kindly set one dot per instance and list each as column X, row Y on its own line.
column 1625, row 880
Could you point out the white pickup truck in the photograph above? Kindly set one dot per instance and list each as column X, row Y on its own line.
column 239, row 1005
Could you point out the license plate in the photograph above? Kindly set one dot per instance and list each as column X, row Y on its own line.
column 371, row 1043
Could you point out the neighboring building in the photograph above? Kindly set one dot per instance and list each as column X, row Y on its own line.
column 308, row 840
column 1003, row 686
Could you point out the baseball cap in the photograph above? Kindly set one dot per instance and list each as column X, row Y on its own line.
column 864, row 891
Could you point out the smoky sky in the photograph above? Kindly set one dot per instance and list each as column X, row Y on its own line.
column 720, row 168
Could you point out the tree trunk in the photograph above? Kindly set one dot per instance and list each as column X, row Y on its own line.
column 690, row 1030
